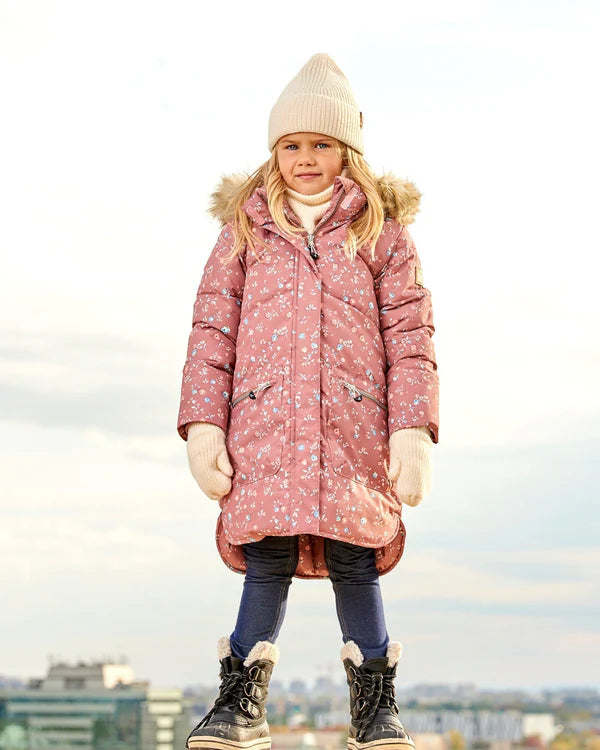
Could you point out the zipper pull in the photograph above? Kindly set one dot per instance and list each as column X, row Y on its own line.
column 311, row 247
column 259, row 388
column 354, row 392
column 250, row 394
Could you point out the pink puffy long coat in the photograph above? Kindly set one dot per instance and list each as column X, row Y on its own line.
column 309, row 364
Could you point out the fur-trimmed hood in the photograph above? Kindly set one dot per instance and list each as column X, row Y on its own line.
column 400, row 197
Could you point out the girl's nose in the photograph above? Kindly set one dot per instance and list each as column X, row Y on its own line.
column 305, row 157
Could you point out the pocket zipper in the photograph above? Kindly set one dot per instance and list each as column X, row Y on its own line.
column 250, row 394
column 357, row 394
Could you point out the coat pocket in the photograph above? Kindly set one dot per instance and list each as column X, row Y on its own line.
column 357, row 430
column 256, row 428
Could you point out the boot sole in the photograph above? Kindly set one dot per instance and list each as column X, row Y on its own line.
column 219, row 743
column 389, row 743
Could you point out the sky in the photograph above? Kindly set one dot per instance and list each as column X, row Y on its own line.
column 119, row 119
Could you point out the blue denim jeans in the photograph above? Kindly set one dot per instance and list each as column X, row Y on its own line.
column 270, row 566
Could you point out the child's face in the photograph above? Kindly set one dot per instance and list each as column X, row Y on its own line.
column 308, row 162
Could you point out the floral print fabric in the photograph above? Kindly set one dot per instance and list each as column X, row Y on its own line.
column 308, row 365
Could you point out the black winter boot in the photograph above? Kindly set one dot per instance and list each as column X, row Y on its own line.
column 238, row 718
column 373, row 707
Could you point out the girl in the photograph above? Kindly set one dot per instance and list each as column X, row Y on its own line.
column 309, row 400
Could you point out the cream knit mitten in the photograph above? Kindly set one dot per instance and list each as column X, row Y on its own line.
column 208, row 459
column 410, row 463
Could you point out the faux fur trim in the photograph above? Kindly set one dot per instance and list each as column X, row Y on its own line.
column 394, row 652
column 222, row 201
column 351, row 651
column 223, row 648
column 263, row 650
column 400, row 198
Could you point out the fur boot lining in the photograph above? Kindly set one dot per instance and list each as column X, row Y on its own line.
column 351, row 651
column 394, row 652
column 263, row 650
column 223, row 648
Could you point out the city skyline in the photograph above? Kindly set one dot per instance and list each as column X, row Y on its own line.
column 420, row 689
column 100, row 704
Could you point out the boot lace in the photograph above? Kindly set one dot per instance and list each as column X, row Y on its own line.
column 388, row 698
column 230, row 694
column 372, row 690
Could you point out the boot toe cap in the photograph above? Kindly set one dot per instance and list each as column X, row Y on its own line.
column 383, row 732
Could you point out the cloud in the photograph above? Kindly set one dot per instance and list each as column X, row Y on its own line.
column 135, row 410
column 85, row 381
column 61, row 543
column 482, row 579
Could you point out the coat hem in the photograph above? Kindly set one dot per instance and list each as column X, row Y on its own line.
column 387, row 556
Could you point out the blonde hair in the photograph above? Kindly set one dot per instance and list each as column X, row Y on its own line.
column 364, row 231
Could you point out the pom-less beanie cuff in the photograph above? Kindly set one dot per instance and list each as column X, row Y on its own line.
column 318, row 100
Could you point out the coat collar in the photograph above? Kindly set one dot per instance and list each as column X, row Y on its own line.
column 400, row 199
column 347, row 200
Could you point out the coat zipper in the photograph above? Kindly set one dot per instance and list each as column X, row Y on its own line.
column 293, row 363
column 314, row 255
column 310, row 236
column 251, row 394
column 357, row 394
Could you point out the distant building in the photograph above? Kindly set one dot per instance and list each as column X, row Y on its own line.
column 324, row 686
column 308, row 740
column 96, row 706
column 10, row 682
column 429, row 742
column 298, row 687
column 485, row 726
column 542, row 725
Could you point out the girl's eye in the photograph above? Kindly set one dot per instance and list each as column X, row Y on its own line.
column 322, row 145
column 291, row 147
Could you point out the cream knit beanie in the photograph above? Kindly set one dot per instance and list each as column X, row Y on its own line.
column 318, row 100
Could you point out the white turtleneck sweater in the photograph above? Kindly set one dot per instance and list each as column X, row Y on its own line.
column 310, row 209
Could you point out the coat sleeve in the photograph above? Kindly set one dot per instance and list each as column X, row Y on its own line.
column 208, row 370
column 406, row 324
